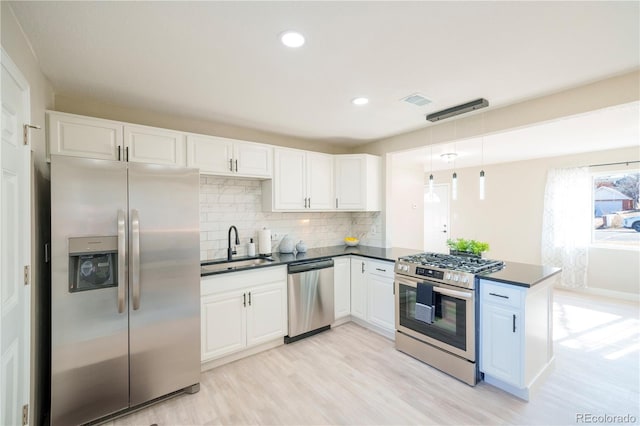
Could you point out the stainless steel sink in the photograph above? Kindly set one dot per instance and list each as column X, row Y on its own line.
column 235, row 264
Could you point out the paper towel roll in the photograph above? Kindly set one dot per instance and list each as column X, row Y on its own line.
column 264, row 242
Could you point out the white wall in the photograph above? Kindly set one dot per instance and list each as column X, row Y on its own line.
column 225, row 202
column 405, row 223
column 510, row 218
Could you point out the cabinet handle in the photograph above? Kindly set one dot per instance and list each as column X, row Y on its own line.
column 230, row 164
column 250, row 301
column 244, row 299
column 119, row 153
column 336, row 202
column 126, row 154
column 381, row 270
column 305, row 202
column 309, row 202
column 363, row 267
column 236, row 166
column 514, row 323
column 499, row 295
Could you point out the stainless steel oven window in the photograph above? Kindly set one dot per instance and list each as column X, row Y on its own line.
column 450, row 324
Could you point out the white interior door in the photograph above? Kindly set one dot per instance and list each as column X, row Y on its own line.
column 14, row 246
column 436, row 219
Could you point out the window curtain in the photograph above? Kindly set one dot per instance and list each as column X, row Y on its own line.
column 566, row 224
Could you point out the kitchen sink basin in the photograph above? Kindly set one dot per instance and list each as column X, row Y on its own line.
column 235, row 264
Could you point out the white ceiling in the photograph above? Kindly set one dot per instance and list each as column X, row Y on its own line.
column 610, row 128
column 222, row 61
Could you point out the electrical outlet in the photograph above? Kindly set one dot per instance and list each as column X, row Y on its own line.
column 274, row 236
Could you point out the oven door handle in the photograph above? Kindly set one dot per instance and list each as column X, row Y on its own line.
column 453, row 293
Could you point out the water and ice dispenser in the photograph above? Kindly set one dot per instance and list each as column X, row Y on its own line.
column 93, row 263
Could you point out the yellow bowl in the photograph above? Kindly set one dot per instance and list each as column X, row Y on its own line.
column 350, row 241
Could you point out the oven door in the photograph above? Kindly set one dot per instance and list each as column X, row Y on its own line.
column 453, row 328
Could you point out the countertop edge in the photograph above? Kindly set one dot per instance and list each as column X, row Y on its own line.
column 377, row 253
column 545, row 273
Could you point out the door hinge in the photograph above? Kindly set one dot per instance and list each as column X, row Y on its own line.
column 25, row 414
column 27, row 275
column 25, row 132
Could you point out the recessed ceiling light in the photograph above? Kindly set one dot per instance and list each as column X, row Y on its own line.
column 292, row 39
column 360, row 101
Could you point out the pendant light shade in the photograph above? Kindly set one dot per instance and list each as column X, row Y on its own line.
column 454, row 186
column 482, row 184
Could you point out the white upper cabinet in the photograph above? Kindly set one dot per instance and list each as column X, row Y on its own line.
column 78, row 136
column 145, row 144
column 302, row 180
column 229, row 157
column 358, row 182
column 89, row 137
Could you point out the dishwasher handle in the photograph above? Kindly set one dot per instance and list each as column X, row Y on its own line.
column 310, row 265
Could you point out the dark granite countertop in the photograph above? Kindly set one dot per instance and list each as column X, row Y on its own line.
column 385, row 254
column 522, row 274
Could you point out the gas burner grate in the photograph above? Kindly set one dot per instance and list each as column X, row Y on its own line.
column 474, row 265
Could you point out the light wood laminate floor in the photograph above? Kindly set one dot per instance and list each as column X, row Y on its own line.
column 352, row 376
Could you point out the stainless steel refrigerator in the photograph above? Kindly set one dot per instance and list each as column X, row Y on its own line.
column 125, row 295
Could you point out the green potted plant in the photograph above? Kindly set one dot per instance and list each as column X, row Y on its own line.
column 464, row 247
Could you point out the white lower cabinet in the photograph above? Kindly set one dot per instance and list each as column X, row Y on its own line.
column 372, row 299
column 358, row 288
column 241, row 310
column 380, row 298
column 516, row 328
column 342, row 287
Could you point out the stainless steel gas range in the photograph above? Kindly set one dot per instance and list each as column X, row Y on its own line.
column 436, row 310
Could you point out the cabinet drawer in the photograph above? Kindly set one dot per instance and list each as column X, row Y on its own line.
column 500, row 294
column 377, row 267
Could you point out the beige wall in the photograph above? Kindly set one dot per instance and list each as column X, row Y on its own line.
column 41, row 98
column 510, row 218
column 617, row 90
column 96, row 108
column 405, row 218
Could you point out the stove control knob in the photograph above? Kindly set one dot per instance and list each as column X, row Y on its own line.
column 448, row 275
column 456, row 277
column 465, row 280
column 405, row 268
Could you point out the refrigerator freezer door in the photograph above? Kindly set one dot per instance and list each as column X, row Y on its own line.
column 89, row 338
column 165, row 321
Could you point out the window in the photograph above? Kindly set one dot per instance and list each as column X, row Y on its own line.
column 616, row 208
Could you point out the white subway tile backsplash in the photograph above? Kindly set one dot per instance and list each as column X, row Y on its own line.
column 227, row 201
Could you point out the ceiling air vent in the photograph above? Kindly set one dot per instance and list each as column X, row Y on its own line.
column 417, row 99
column 459, row 109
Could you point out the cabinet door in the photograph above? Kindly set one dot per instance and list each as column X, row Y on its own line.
column 358, row 289
column 501, row 350
column 289, row 179
column 153, row 145
column 351, row 182
column 210, row 154
column 253, row 159
column 320, row 185
column 79, row 136
column 381, row 306
column 266, row 313
column 342, row 287
column 223, row 324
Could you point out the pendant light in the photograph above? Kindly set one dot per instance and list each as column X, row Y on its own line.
column 431, row 161
column 454, row 179
column 482, row 191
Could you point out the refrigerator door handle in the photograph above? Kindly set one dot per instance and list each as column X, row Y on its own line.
column 122, row 247
column 135, row 258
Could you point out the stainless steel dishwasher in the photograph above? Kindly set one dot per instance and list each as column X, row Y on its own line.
column 310, row 291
